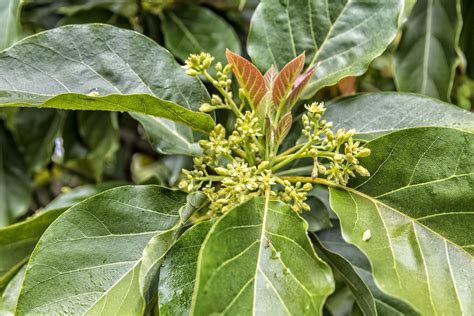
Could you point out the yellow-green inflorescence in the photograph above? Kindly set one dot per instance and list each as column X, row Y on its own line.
column 245, row 162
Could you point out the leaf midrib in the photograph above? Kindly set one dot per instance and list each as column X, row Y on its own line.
column 429, row 25
column 262, row 236
column 9, row 18
column 329, row 33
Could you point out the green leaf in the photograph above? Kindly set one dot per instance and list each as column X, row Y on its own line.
column 143, row 103
column 377, row 114
column 345, row 270
column 416, row 208
column 426, row 58
column 10, row 295
column 111, row 70
column 35, row 131
column 159, row 246
column 89, row 259
column 191, row 29
column 178, row 271
column 168, row 138
column 342, row 36
column 79, row 194
column 9, row 22
column 345, row 254
column 341, row 302
column 258, row 259
column 18, row 241
column 15, row 187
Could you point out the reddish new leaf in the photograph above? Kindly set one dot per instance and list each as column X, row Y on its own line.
column 249, row 78
column 299, row 85
column 284, row 127
column 285, row 79
column 270, row 76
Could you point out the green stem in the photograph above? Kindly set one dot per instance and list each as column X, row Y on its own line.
column 211, row 178
column 325, row 182
column 306, row 170
column 292, row 157
column 259, row 144
column 250, row 157
column 241, row 153
column 224, row 93
column 285, row 154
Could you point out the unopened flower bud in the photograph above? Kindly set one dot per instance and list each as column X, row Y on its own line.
column 222, row 171
column 227, row 69
column 362, row 171
column 216, row 100
column 340, row 136
column 330, row 135
column 192, row 72
column 364, row 152
column 263, row 165
column 349, row 134
column 322, row 169
column 206, row 107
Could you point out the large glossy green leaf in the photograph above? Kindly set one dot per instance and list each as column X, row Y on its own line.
column 376, row 114
column 79, row 194
column 412, row 217
column 9, row 22
column 257, row 259
column 9, row 297
column 356, row 268
column 178, row 271
column 191, row 29
column 426, row 59
column 18, row 241
column 159, row 246
column 100, row 67
column 343, row 36
column 89, row 260
column 15, row 187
